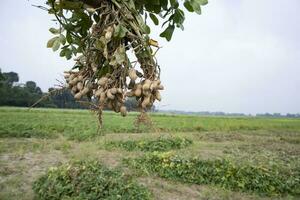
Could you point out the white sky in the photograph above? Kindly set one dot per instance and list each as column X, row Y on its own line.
column 238, row 56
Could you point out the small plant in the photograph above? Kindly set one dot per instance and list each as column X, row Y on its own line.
column 160, row 144
column 224, row 173
column 87, row 180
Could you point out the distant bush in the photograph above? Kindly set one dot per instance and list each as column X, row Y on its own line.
column 87, row 181
column 160, row 144
column 219, row 172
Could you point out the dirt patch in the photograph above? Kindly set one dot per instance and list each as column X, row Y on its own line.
column 165, row 190
column 18, row 172
column 91, row 151
column 172, row 190
column 221, row 137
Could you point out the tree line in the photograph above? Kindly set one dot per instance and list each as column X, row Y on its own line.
column 14, row 93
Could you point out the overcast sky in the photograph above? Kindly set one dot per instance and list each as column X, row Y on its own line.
column 238, row 56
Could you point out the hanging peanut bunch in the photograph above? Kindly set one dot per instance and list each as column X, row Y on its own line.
column 115, row 57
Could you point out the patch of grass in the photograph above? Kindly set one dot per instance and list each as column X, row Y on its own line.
column 63, row 146
column 291, row 140
column 159, row 144
column 221, row 137
column 223, row 173
column 17, row 146
column 25, row 159
column 168, row 189
column 32, row 141
column 82, row 124
column 87, row 180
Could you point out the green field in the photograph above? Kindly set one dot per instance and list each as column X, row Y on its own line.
column 31, row 141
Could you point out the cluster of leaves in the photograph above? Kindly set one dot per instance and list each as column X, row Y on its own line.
column 75, row 27
column 87, row 180
column 169, row 11
column 224, row 173
column 160, row 144
column 72, row 30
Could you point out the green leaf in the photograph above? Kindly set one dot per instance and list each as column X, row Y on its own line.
column 74, row 50
column 142, row 24
column 147, row 29
column 180, row 26
column 174, row 3
column 188, row 6
column 55, row 31
column 168, row 32
column 69, row 37
column 196, row 6
column 164, row 4
column 203, row 2
column 153, row 8
column 154, row 19
column 100, row 44
column 62, row 53
column 69, row 5
column 104, row 70
column 120, row 55
column 120, row 31
column 56, row 45
column 131, row 5
column 178, row 16
column 68, row 54
column 50, row 43
column 154, row 2
column 62, row 39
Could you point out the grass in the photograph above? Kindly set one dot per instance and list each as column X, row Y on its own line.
column 87, row 180
column 224, row 173
column 32, row 141
column 160, row 144
column 82, row 124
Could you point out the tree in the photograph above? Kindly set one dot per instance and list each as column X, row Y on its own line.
column 18, row 95
column 105, row 35
column 32, row 87
column 131, row 104
column 1, row 76
column 64, row 99
column 10, row 78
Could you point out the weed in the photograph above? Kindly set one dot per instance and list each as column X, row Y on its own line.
column 224, row 173
column 160, row 144
column 87, row 180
